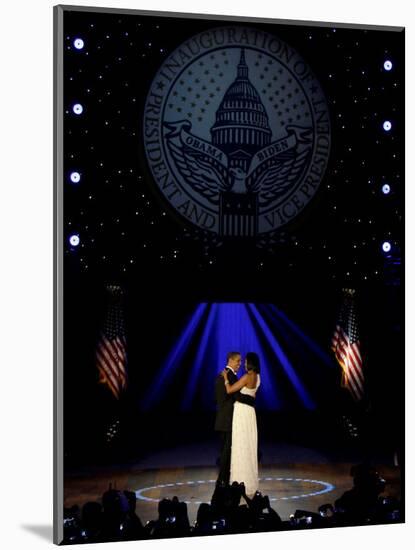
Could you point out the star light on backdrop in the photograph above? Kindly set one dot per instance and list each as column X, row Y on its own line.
column 78, row 43
column 109, row 63
column 75, row 177
column 386, row 246
column 77, row 109
column 74, row 240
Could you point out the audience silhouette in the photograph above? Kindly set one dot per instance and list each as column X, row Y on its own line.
column 230, row 511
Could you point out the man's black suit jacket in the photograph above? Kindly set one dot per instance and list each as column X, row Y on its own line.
column 224, row 402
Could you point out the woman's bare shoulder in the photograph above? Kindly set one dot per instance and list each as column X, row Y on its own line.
column 251, row 379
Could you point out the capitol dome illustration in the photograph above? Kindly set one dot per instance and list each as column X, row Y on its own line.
column 241, row 127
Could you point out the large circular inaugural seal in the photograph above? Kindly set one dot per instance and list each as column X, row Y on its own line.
column 236, row 131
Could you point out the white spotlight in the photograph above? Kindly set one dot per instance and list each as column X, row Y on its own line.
column 77, row 109
column 74, row 240
column 75, row 177
column 78, row 43
column 386, row 246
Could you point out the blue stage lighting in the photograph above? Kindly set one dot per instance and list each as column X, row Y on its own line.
column 387, row 125
column 77, row 109
column 386, row 246
column 190, row 390
column 387, row 65
column 78, row 43
column 75, row 177
column 215, row 329
column 74, row 240
column 386, row 189
column 173, row 361
column 281, row 319
column 235, row 331
column 283, row 360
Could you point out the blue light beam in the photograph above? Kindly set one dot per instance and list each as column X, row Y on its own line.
column 190, row 390
column 173, row 360
column 285, row 363
column 279, row 317
column 234, row 331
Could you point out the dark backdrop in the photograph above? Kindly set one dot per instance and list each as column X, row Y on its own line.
column 127, row 240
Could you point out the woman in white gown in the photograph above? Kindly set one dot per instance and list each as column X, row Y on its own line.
column 244, row 452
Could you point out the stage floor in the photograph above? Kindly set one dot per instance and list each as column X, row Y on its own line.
column 293, row 477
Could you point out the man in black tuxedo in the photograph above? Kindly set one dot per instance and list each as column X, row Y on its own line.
column 224, row 414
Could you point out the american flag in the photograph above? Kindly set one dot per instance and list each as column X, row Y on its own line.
column 111, row 355
column 346, row 346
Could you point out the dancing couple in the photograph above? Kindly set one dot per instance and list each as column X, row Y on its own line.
column 236, row 422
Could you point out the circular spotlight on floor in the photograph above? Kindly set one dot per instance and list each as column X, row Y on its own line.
column 386, row 188
column 77, row 109
column 78, row 43
column 75, row 177
column 387, row 125
column 388, row 65
column 74, row 240
column 386, row 246
column 322, row 487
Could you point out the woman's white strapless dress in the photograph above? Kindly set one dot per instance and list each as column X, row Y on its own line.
column 244, row 453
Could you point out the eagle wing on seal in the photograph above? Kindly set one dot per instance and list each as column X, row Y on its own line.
column 274, row 180
column 207, row 178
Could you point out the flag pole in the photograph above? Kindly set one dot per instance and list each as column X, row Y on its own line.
column 111, row 362
column 346, row 347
